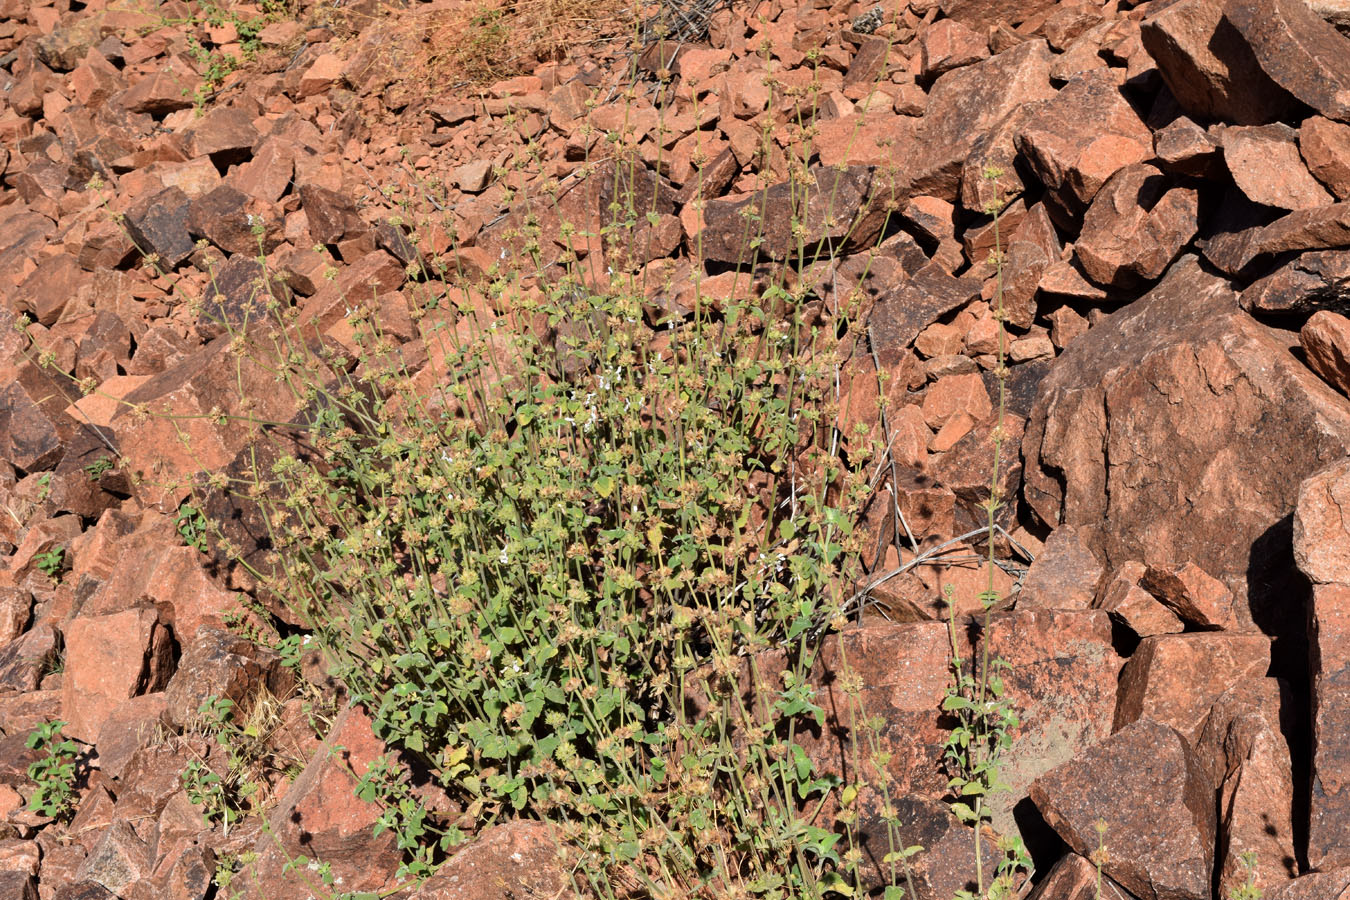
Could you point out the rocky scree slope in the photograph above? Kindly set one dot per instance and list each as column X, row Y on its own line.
column 1176, row 268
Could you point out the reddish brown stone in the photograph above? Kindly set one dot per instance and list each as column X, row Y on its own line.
column 903, row 313
column 1082, row 137
column 1075, row 878
column 1322, row 526
column 1062, row 682
column 1235, row 397
column 322, row 818
column 268, row 174
column 109, row 659
column 170, row 87
column 1145, row 784
column 228, row 218
column 1333, row 885
column 1318, row 279
column 218, row 664
column 1135, row 227
column 984, row 14
column 967, row 103
column 1064, row 575
column 845, row 206
column 1325, row 146
column 947, row 44
column 955, row 394
column 1209, row 67
column 332, row 215
column 24, row 660
column 130, row 725
column 158, row 226
column 225, row 133
column 1175, row 679
column 991, row 175
column 513, row 857
column 1326, row 340
column 1265, row 163
column 1298, row 50
column 53, row 284
column 1330, row 804
column 1184, row 148
column 119, row 859
column 1193, row 594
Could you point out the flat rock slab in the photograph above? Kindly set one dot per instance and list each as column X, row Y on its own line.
column 1305, row 283
column 1146, row 785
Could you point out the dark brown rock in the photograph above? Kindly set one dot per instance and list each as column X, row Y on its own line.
column 1146, row 785
column 332, row 216
column 1333, row 885
column 1298, row 50
column 18, row 885
column 118, row 860
column 1209, row 67
column 1175, row 678
column 218, row 664
column 1318, row 279
column 1136, row 226
column 158, row 225
column 967, row 103
column 1082, row 137
column 1265, row 163
column 1326, row 340
column 1235, row 397
column 902, row 313
column 1325, row 146
column 25, row 660
column 945, row 865
column 842, row 206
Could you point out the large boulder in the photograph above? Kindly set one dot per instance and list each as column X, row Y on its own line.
column 1156, row 429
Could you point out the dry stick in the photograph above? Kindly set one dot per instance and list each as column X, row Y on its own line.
column 895, row 478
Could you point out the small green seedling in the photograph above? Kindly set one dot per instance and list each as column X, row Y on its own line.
column 98, row 468
column 54, row 775
column 192, row 526
column 51, row 562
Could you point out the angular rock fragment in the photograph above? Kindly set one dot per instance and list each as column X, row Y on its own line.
column 1322, row 526
column 1146, row 785
column 1298, row 50
column 1134, row 607
column 1082, row 137
column 901, row 314
column 1192, row 593
column 1325, row 146
column 1064, row 575
column 1074, row 877
column 1174, row 679
column 1318, row 279
column 1209, row 67
column 159, row 227
column 522, row 854
column 1265, row 163
column 1326, row 340
column 1136, row 226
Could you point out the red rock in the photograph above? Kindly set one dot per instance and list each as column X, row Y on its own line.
column 332, row 215
column 225, row 133
column 1062, row 681
column 1064, row 575
column 519, row 856
column 24, row 660
column 982, row 14
column 967, row 103
column 323, row 73
column 356, row 286
column 1325, row 146
column 1082, row 137
column 1075, row 878
column 268, row 174
column 1326, row 341
column 947, row 44
column 130, row 725
column 1189, row 591
column 1322, row 526
column 956, row 394
column 1209, row 67
column 1175, row 679
column 1145, row 784
column 1264, row 161
column 1298, row 50
column 218, row 664
column 1321, row 228
column 1236, row 396
column 119, row 859
column 95, row 80
column 227, row 217
column 1330, row 804
column 109, row 659
column 1065, row 325
column 1134, row 607
column 991, row 176
column 1135, row 227
column 19, row 885
column 1184, row 148
column 171, row 87
column 44, row 294
column 322, row 818
column 472, row 177
column 1333, row 885
column 940, row 870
